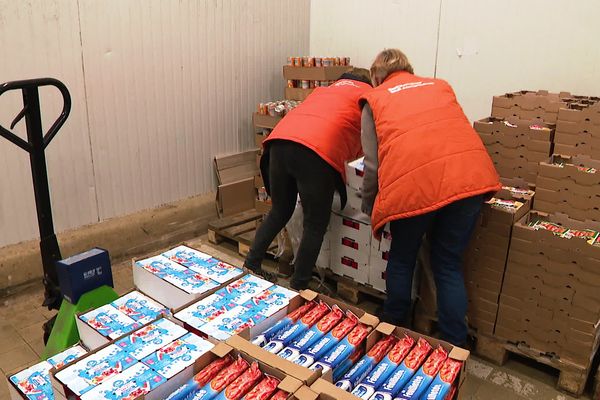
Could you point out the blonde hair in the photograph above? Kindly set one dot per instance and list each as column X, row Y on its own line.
column 386, row 62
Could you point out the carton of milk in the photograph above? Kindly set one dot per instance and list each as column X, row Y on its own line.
column 148, row 339
column 203, row 263
column 94, row 369
column 34, row 382
column 205, row 310
column 139, row 307
column 158, row 265
column 245, row 288
column 177, row 355
column 131, row 384
column 109, row 322
column 188, row 280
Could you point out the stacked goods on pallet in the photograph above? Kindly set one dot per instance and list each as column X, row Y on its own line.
column 303, row 74
column 485, row 258
column 549, row 297
column 578, row 129
column 516, row 146
column 528, row 105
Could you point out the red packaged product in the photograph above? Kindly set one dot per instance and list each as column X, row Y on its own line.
column 315, row 314
column 228, row 375
column 381, row 348
column 211, row 370
column 264, row 389
column 344, row 327
column 451, row 393
column 434, row 361
column 358, row 334
column 280, row 395
column 330, row 320
column 401, row 349
column 300, row 311
column 416, row 357
column 242, row 385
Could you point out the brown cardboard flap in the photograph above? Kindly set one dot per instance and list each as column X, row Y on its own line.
column 460, row 354
column 290, row 384
column 369, row 320
column 304, row 393
column 236, row 197
column 223, row 163
column 385, row 328
column 308, row 294
column 222, row 349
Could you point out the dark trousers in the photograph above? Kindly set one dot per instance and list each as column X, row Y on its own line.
column 294, row 169
column 449, row 231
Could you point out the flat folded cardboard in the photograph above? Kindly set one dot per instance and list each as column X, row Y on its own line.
column 235, row 176
column 242, row 340
column 315, row 73
column 265, row 121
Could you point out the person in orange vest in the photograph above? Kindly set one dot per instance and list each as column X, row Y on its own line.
column 426, row 172
column 305, row 155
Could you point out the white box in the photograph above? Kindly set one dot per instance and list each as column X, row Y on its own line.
column 103, row 324
column 146, row 340
column 92, row 370
column 203, row 263
column 32, row 383
column 385, row 243
column 176, row 356
column 133, row 383
column 355, row 171
column 168, row 282
column 67, row 356
column 351, row 245
column 140, row 307
column 354, row 199
column 345, row 262
column 377, row 268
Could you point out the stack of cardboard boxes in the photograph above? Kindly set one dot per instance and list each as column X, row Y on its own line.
column 516, row 145
column 485, row 258
column 578, row 129
column 549, row 297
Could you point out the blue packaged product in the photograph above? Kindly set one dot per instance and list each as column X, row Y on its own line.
column 344, row 349
column 344, row 367
column 245, row 288
column 442, row 386
column 67, row 356
column 203, row 263
column 109, row 322
column 177, row 355
column 150, row 338
column 421, row 380
column 327, row 342
column 34, row 382
column 140, row 307
column 384, row 369
column 404, row 372
column 316, row 332
column 282, row 324
column 362, row 368
column 131, row 384
column 286, row 336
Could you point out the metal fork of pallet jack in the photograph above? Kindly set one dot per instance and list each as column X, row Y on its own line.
column 36, row 145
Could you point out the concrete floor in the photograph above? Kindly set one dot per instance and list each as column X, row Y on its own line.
column 21, row 319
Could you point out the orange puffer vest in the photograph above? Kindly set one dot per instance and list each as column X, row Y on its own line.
column 327, row 122
column 429, row 155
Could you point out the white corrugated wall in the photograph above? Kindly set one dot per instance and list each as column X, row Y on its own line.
column 159, row 88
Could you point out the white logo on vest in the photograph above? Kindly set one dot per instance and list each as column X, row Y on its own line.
column 410, row 85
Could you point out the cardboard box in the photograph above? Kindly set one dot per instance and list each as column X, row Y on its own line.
column 580, row 113
column 103, row 324
column 581, row 148
column 242, row 340
column 354, row 199
column 235, row 176
column 265, row 121
column 297, row 93
column 83, row 272
column 377, row 268
column 314, row 73
column 350, row 245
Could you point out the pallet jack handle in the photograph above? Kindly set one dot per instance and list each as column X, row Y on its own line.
column 36, row 143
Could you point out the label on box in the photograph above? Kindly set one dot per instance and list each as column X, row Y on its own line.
column 34, row 382
column 203, row 263
column 271, row 300
column 190, row 281
column 68, row 356
column 177, row 355
column 95, row 369
column 139, row 307
column 234, row 321
column 109, row 322
column 245, row 288
column 131, row 384
column 150, row 338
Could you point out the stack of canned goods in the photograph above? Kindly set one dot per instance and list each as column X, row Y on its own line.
column 306, row 84
column 307, row 61
column 277, row 108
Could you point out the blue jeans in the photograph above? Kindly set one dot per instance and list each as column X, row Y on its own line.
column 449, row 230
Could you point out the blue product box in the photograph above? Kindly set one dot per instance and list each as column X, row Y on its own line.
column 139, row 307
column 203, row 263
column 177, row 355
column 109, row 322
column 83, row 272
column 68, row 356
column 34, row 382
column 131, row 384
column 150, row 338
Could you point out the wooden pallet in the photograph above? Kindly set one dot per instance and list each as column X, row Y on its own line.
column 352, row 291
column 239, row 228
column 572, row 377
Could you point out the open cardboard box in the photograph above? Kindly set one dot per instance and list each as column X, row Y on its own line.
column 580, row 113
column 235, row 176
column 265, row 121
column 242, row 340
column 322, row 386
column 298, row 94
column 165, row 292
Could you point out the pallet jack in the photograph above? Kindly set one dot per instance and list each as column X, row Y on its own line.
column 60, row 332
